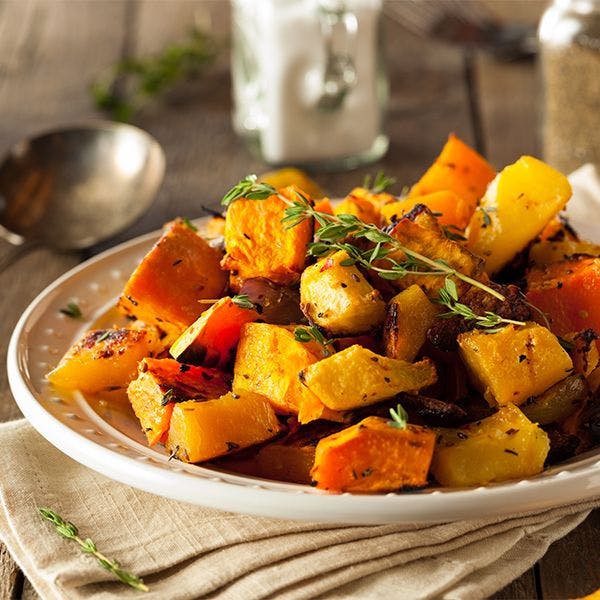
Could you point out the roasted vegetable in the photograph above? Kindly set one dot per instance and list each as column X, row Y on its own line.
column 450, row 208
column 258, row 244
column 557, row 402
column 338, row 298
column 163, row 382
column 568, row 293
column 166, row 287
column 515, row 209
column 504, row 446
column 459, row 169
column 268, row 361
column 548, row 252
column 583, row 350
column 359, row 206
column 212, row 338
column 373, row 456
column 291, row 176
column 104, row 359
column 357, row 377
column 514, row 363
column 203, row 430
column 277, row 304
column 409, row 315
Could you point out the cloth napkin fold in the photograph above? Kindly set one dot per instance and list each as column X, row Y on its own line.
column 185, row 551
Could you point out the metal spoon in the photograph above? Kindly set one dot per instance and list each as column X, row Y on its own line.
column 71, row 188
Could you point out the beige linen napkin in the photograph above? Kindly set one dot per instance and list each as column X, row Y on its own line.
column 186, row 552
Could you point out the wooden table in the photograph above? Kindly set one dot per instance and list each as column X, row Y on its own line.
column 50, row 51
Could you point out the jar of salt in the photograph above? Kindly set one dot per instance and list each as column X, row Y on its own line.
column 569, row 36
column 309, row 87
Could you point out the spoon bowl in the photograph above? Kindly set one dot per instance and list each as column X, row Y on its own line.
column 72, row 188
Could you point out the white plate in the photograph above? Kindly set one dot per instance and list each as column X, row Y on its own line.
column 110, row 441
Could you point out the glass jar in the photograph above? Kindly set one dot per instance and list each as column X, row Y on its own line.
column 569, row 35
column 309, row 87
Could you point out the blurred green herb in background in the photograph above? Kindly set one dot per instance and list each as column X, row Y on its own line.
column 133, row 82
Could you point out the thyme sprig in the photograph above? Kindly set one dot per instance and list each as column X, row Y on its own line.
column 71, row 310
column 379, row 184
column 243, row 301
column 399, row 417
column 312, row 333
column 448, row 297
column 70, row 531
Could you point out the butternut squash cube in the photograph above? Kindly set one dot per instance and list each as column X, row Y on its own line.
column 104, row 359
column 211, row 339
column 506, row 445
column 518, row 204
column 364, row 204
column 268, row 361
column 200, row 431
column 547, row 252
column 338, row 298
column 258, row 244
column 409, row 315
column 514, row 363
column 357, row 377
column 458, row 168
column 179, row 271
column 373, row 456
column 163, row 382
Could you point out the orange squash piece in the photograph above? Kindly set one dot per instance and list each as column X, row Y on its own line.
column 451, row 209
column 373, row 456
column 200, row 431
column 568, row 292
column 211, row 339
column 324, row 206
column 258, row 244
column 163, row 382
column 179, row 271
column 459, row 169
column 105, row 359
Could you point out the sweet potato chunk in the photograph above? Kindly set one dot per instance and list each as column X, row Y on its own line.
column 568, row 293
column 514, row 363
column 409, row 315
column 506, row 445
column 104, row 359
column 515, row 209
column 373, row 456
column 200, row 431
column 364, row 205
column 459, row 169
column 335, row 380
column 268, row 361
column 166, row 287
column 450, row 208
column 211, row 339
column 339, row 298
column 163, row 382
column 258, row 243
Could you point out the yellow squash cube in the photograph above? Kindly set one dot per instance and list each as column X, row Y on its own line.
column 518, row 204
column 505, row 446
column 515, row 363
column 357, row 377
column 339, row 298
column 409, row 315
column 200, row 431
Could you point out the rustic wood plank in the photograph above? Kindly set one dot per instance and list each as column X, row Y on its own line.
column 571, row 567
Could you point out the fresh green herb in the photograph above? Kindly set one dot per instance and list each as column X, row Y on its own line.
column 310, row 334
column 448, row 297
column 399, row 417
column 379, row 184
column 250, row 189
column 70, row 531
column 147, row 78
column 168, row 396
column 104, row 336
column 72, row 311
column 243, row 301
column 454, row 233
column 189, row 224
column 485, row 213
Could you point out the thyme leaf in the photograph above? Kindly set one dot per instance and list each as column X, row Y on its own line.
column 379, row 184
column 243, row 301
column 71, row 310
column 189, row 224
column 399, row 417
column 312, row 333
column 70, row 532
column 250, row 189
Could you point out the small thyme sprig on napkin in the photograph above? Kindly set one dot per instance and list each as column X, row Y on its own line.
column 70, row 531
column 335, row 230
